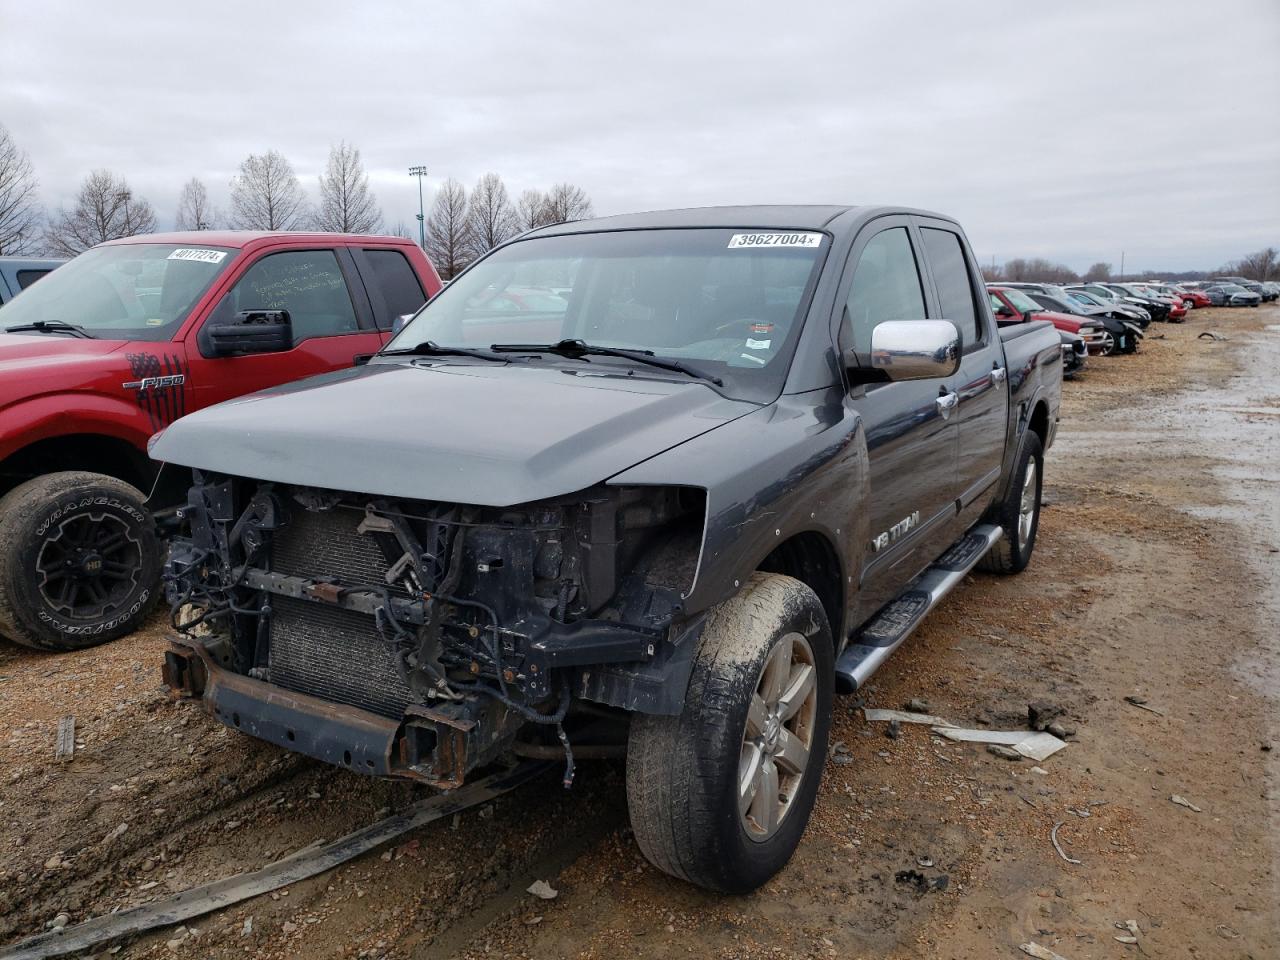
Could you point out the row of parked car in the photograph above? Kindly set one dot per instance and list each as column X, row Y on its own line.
column 1107, row 318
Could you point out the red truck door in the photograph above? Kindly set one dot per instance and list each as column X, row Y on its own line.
column 332, row 321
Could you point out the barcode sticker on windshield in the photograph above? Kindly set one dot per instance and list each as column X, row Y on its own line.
column 740, row 240
column 200, row 256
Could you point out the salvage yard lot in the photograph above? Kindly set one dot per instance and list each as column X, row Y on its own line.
column 1145, row 585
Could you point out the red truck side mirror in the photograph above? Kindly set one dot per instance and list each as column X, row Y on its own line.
column 252, row 331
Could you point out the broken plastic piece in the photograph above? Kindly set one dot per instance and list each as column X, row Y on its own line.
column 902, row 716
column 1036, row 746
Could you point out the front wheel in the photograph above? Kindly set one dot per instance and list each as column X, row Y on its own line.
column 721, row 794
column 1019, row 512
column 79, row 561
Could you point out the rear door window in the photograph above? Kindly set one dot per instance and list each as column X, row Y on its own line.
column 27, row 277
column 954, row 282
column 401, row 291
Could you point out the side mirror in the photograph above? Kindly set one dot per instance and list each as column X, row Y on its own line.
column 399, row 322
column 915, row 349
column 1005, row 312
column 252, row 331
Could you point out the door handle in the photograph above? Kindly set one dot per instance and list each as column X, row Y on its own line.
column 999, row 374
column 947, row 403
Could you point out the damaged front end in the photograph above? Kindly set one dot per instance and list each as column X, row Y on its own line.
column 407, row 638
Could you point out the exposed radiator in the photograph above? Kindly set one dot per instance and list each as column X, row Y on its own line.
column 323, row 650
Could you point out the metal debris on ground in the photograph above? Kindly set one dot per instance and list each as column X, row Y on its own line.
column 1039, row 952
column 1184, row 802
column 1036, row 746
column 543, row 890
column 65, row 747
column 1053, row 836
column 904, row 716
column 1141, row 704
column 1211, row 335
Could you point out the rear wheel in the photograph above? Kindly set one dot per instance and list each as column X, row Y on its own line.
column 721, row 794
column 79, row 561
column 1019, row 513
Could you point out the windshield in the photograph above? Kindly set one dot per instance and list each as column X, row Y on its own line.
column 728, row 301
column 135, row 291
column 1020, row 301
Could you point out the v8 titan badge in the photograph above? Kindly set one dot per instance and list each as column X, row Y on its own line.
column 798, row 240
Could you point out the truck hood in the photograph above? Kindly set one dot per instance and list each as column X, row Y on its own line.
column 490, row 435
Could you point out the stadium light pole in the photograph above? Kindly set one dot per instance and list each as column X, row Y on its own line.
column 420, row 172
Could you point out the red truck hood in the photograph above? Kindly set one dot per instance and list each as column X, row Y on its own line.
column 28, row 362
column 1063, row 321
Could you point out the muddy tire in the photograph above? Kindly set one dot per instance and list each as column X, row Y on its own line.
column 1019, row 513
column 721, row 794
column 79, row 561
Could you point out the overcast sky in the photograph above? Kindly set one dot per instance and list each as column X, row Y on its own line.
column 1072, row 133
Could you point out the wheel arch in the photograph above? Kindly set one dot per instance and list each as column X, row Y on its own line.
column 810, row 557
column 90, row 452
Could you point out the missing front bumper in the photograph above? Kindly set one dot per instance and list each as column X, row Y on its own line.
column 428, row 745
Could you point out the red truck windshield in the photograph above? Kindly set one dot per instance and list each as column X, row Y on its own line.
column 136, row 291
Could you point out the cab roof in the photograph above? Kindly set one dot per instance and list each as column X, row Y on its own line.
column 760, row 217
column 238, row 239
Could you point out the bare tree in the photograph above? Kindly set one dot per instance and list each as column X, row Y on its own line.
column 531, row 210
column 448, row 230
column 105, row 209
column 266, row 195
column 490, row 219
column 1039, row 269
column 991, row 273
column 20, row 214
column 567, row 202
column 401, row 229
column 346, row 204
column 1259, row 265
column 1099, row 271
column 194, row 210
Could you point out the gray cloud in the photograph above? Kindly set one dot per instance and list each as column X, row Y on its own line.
column 1070, row 133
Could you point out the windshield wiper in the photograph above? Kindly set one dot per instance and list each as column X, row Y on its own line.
column 577, row 349
column 429, row 348
column 51, row 326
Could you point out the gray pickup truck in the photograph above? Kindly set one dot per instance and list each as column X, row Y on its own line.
column 661, row 483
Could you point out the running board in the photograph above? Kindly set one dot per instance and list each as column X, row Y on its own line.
column 896, row 621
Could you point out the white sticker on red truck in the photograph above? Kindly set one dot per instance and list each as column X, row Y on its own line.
column 200, row 256
column 799, row 240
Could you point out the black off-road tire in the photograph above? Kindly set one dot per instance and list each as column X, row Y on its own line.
column 88, row 528
column 1012, row 552
column 683, row 771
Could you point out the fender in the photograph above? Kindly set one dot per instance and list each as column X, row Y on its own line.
column 816, row 455
column 61, row 414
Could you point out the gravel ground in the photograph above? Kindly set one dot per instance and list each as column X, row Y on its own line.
column 1154, row 577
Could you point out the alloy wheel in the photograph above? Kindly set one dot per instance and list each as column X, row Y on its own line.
column 1027, row 504
column 778, row 738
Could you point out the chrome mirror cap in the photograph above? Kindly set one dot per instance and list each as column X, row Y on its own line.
column 915, row 349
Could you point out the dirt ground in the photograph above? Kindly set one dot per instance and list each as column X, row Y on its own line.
column 1155, row 577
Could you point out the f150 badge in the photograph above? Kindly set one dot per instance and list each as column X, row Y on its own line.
column 896, row 532
column 161, row 385
column 155, row 383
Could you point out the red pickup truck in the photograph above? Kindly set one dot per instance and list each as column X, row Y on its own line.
column 111, row 348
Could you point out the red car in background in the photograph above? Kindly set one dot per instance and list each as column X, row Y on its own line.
column 1010, row 304
column 1191, row 298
